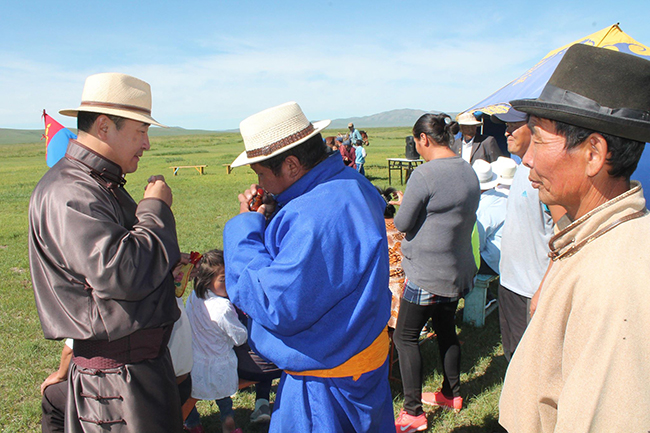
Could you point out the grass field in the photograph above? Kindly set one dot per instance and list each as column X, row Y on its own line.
column 202, row 205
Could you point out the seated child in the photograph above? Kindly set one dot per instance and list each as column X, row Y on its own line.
column 215, row 330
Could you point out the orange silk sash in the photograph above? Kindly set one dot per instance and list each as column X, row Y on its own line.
column 369, row 359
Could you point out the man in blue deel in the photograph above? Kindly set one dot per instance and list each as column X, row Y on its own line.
column 310, row 269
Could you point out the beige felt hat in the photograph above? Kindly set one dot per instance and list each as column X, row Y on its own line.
column 468, row 118
column 118, row 95
column 273, row 131
column 505, row 168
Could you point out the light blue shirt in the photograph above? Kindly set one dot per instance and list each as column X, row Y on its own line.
column 526, row 232
column 355, row 135
column 360, row 155
column 490, row 217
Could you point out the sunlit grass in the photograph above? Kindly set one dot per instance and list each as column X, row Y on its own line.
column 202, row 205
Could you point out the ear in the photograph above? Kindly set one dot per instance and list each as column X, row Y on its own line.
column 293, row 167
column 101, row 126
column 596, row 152
column 426, row 140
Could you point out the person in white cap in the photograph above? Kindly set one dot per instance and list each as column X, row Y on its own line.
column 471, row 145
column 317, row 299
column 490, row 216
column 102, row 265
column 505, row 168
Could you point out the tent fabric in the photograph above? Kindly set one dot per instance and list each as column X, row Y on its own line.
column 532, row 82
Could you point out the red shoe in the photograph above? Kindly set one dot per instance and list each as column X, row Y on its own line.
column 437, row 399
column 406, row 423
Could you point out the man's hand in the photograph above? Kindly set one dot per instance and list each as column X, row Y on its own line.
column 62, row 373
column 158, row 188
column 51, row 380
column 184, row 260
column 397, row 198
column 533, row 302
column 268, row 203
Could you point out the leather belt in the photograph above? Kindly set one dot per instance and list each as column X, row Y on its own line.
column 141, row 345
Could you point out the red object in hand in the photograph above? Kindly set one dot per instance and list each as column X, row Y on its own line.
column 256, row 201
column 184, row 275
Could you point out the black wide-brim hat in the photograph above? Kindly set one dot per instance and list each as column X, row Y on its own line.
column 599, row 89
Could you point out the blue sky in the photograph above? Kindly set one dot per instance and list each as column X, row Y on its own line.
column 213, row 63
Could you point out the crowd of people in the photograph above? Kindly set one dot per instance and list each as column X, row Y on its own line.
column 289, row 298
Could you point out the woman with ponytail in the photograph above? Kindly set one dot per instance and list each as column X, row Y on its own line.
column 437, row 213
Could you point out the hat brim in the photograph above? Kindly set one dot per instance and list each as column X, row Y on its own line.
column 504, row 180
column 489, row 184
column 72, row 112
column 503, row 118
column 243, row 159
column 631, row 129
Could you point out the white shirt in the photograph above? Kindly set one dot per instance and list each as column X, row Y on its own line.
column 466, row 152
column 180, row 343
column 215, row 330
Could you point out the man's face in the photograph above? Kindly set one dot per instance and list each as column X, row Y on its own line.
column 518, row 135
column 468, row 131
column 558, row 174
column 128, row 143
column 269, row 181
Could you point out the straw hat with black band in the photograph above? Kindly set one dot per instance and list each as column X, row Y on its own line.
column 273, row 131
column 117, row 95
column 599, row 89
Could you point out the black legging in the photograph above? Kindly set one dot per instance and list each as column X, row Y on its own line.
column 410, row 321
column 252, row 367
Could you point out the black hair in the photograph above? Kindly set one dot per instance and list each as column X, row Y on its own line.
column 86, row 119
column 387, row 194
column 211, row 264
column 438, row 127
column 623, row 154
column 309, row 153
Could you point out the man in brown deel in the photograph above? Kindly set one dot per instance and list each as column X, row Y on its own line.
column 101, row 266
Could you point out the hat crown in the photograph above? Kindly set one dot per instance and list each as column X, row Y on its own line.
column 116, row 88
column 598, row 89
column 274, row 131
column 611, row 78
column 273, row 125
column 468, row 118
column 505, row 167
column 483, row 170
column 116, row 94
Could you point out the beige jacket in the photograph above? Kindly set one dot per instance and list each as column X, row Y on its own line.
column 583, row 364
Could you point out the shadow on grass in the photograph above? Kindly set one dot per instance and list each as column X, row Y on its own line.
column 242, row 404
column 491, row 426
column 212, row 423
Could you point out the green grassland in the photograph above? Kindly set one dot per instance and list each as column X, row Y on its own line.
column 202, row 205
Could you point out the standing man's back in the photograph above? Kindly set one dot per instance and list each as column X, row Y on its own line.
column 317, row 298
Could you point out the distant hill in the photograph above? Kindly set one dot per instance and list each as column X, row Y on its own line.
column 17, row 136
column 392, row 118
column 387, row 119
